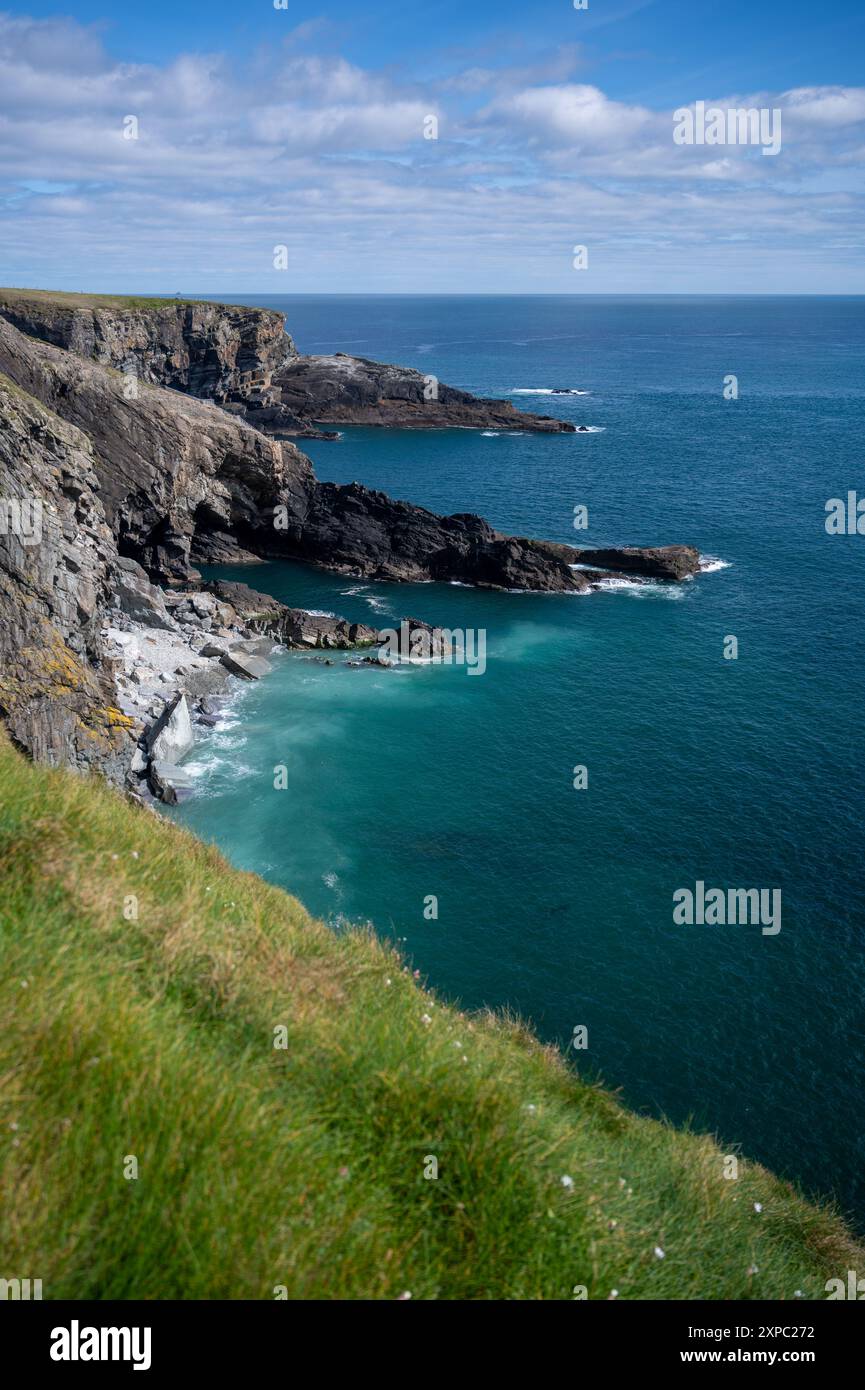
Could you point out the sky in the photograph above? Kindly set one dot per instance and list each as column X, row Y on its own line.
column 431, row 146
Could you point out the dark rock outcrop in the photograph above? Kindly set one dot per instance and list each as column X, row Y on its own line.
column 356, row 530
column 344, row 390
column 671, row 562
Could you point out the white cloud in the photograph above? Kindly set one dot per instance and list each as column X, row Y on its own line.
column 329, row 158
column 579, row 116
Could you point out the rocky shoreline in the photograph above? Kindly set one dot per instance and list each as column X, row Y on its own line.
column 123, row 427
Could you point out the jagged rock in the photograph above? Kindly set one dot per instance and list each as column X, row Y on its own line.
column 293, row 627
column 344, row 390
column 169, row 783
column 240, row 663
column 674, row 562
column 138, row 598
column 358, row 531
column 655, row 562
column 171, row 737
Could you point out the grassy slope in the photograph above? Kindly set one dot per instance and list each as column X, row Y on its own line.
column 303, row 1167
column 70, row 300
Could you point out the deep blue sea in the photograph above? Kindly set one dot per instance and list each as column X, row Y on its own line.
column 554, row 902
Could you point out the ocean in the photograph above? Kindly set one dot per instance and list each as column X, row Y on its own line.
column 427, row 783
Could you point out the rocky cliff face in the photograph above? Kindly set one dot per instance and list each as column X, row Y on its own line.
column 218, row 351
column 111, row 488
column 181, row 480
column 242, row 359
column 56, row 575
column 168, row 465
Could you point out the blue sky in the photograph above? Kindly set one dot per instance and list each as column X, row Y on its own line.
column 304, row 128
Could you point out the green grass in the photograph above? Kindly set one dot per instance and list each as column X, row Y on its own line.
column 304, row 1166
column 93, row 301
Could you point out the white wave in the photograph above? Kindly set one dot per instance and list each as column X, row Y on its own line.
column 202, row 766
column 590, row 429
column 639, row 588
column 225, row 741
column 710, row 563
column 546, row 391
column 489, row 434
column 319, row 613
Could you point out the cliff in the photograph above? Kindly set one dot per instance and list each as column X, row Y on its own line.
column 243, row 359
column 182, row 480
column 215, row 350
column 104, row 624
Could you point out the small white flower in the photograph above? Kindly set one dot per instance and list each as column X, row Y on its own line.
column 614, row 1293
column 531, row 1109
column 752, row 1269
column 400, row 1298
column 659, row 1254
column 25, row 984
column 425, row 1018
column 135, row 854
column 758, row 1206
column 388, row 981
column 567, row 1181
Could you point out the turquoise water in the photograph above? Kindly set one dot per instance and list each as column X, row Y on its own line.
column 746, row 773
